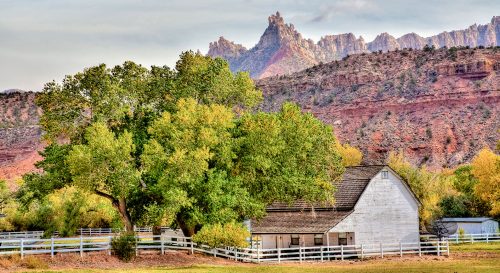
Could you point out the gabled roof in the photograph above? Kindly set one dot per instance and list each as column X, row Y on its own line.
column 305, row 222
column 349, row 189
column 302, row 217
column 467, row 219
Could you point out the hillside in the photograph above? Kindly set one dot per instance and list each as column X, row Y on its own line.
column 19, row 134
column 439, row 107
column 282, row 49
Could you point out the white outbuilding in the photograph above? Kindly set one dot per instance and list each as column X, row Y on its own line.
column 373, row 205
column 474, row 225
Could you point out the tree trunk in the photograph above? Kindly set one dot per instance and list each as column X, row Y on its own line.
column 122, row 208
column 188, row 231
column 120, row 205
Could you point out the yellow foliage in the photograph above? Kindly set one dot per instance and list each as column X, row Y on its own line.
column 428, row 186
column 486, row 168
column 350, row 155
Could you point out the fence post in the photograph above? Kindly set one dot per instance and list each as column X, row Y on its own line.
column 342, row 252
column 162, row 244
column 279, row 255
column 300, row 253
column 321, row 247
column 362, row 254
column 447, row 248
column 400, row 249
column 81, row 246
column 438, row 248
column 192, row 246
column 258, row 256
column 487, row 238
column 136, row 244
column 235, row 254
column 457, row 239
column 381, row 251
column 22, row 248
column 215, row 252
column 109, row 246
column 52, row 247
column 420, row 249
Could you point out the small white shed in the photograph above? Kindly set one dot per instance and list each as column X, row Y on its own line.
column 474, row 225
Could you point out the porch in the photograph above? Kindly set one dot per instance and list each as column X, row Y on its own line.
column 293, row 240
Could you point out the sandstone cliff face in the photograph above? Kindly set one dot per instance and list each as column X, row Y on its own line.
column 283, row 50
column 19, row 134
column 437, row 107
column 384, row 42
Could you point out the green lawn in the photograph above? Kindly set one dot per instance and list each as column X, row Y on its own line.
column 476, row 247
column 446, row 265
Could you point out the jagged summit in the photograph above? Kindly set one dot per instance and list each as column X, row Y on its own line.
column 282, row 49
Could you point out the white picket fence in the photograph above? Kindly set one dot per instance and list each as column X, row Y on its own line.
column 162, row 244
column 466, row 238
column 21, row 234
column 111, row 231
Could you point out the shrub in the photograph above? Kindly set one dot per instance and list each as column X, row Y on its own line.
column 33, row 262
column 461, row 233
column 217, row 235
column 123, row 246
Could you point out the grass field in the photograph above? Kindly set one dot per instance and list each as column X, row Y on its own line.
column 463, row 258
column 477, row 247
column 480, row 265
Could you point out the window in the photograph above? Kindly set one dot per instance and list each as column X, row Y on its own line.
column 318, row 239
column 385, row 174
column 343, row 238
column 295, row 239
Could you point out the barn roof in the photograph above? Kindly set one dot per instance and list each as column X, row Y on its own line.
column 349, row 189
column 305, row 222
column 302, row 217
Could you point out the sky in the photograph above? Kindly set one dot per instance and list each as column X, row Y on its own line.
column 44, row 40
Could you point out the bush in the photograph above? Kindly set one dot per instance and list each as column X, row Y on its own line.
column 217, row 235
column 123, row 246
column 32, row 262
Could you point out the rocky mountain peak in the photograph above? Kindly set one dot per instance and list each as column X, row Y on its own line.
column 385, row 42
column 282, row 49
column 225, row 49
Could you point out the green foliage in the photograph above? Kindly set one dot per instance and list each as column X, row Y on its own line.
column 64, row 210
column 124, row 245
column 178, row 145
column 5, row 195
column 213, row 168
column 217, row 235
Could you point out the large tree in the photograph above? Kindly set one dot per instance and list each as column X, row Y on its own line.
column 210, row 167
column 180, row 146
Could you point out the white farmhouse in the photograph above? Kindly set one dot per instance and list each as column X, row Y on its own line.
column 474, row 225
column 373, row 205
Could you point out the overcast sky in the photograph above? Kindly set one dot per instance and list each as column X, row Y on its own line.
column 43, row 40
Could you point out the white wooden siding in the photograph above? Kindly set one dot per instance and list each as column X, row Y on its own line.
column 488, row 226
column 385, row 213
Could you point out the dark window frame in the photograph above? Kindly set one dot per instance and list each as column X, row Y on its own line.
column 318, row 241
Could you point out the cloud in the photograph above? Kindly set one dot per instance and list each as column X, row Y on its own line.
column 343, row 6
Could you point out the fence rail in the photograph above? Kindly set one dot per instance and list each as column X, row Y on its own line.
column 21, row 234
column 466, row 238
column 163, row 243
